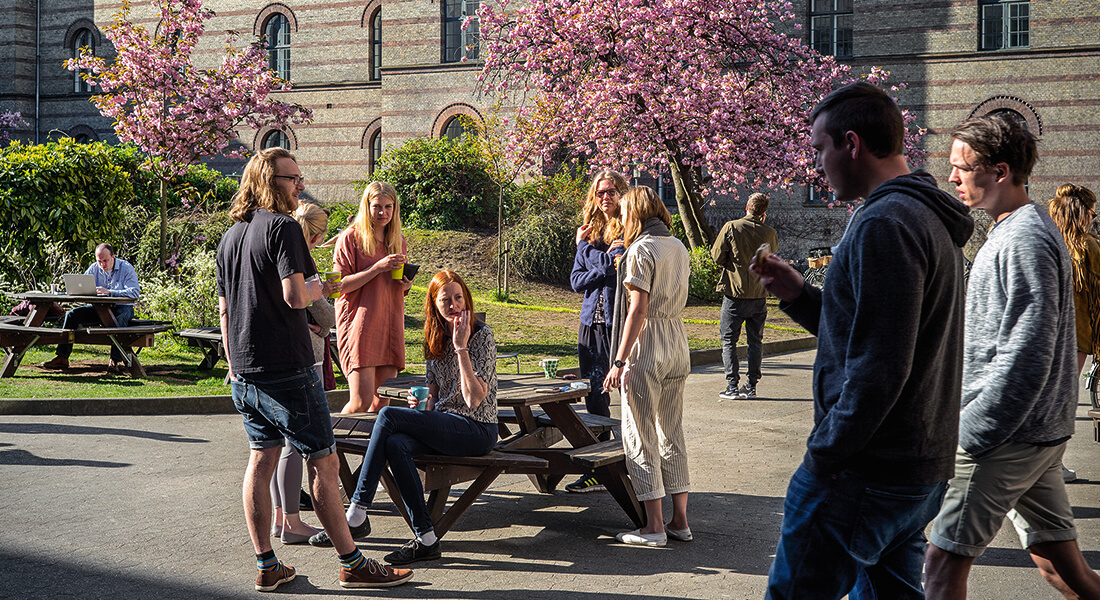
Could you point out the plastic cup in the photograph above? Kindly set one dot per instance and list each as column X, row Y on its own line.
column 549, row 367
column 55, row 288
column 333, row 276
column 398, row 273
column 421, row 394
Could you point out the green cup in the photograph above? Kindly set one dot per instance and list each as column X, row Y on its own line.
column 549, row 367
column 398, row 273
column 333, row 276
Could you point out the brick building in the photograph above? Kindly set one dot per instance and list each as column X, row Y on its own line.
column 376, row 77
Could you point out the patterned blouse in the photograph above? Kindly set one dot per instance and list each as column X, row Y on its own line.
column 445, row 373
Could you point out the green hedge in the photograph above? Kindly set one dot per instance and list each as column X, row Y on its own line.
column 63, row 192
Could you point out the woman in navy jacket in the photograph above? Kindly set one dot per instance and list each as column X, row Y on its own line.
column 599, row 243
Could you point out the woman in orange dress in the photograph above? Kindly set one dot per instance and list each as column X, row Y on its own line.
column 370, row 312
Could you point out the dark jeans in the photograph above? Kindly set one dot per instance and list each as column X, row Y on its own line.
column 752, row 312
column 594, row 352
column 847, row 535
column 401, row 434
column 86, row 315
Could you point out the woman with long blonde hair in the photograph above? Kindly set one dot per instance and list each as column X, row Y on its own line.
column 599, row 241
column 370, row 312
column 1073, row 211
column 460, row 418
column 651, row 365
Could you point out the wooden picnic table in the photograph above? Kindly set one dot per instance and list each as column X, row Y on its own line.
column 209, row 340
column 16, row 338
column 530, row 450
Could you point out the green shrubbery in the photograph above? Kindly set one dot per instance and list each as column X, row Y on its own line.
column 543, row 237
column 705, row 274
column 442, row 184
column 62, row 192
column 188, row 296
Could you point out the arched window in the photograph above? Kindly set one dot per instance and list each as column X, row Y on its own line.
column 455, row 128
column 376, row 46
column 82, row 39
column 275, row 139
column 375, row 152
column 277, row 38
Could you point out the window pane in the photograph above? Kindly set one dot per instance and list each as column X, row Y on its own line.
column 452, row 9
column 822, row 6
column 278, row 46
column 844, row 36
column 376, row 27
column 276, row 139
column 992, row 27
column 375, row 151
column 821, row 34
column 844, row 5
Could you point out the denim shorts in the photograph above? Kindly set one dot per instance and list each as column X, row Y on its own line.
column 288, row 404
column 1021, row 481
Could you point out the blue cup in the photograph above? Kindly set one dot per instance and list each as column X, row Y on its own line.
column 421, row 394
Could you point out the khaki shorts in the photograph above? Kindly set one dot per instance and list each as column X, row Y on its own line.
column 1020, row 481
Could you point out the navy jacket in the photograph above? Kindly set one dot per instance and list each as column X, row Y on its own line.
column 593, row 274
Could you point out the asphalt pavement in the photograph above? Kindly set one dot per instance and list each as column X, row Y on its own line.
column 149, row 507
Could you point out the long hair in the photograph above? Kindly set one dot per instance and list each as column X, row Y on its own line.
column 313, row 219
column 604, row 229
column 1071, row 211
column 258, row 188
column 436, row 333
column 363, row 226
column 638, row 206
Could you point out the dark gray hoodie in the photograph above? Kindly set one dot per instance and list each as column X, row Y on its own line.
column 889, row 322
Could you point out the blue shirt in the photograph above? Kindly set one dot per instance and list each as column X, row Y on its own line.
column 122, row 280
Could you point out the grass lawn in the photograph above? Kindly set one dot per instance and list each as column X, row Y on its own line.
column 539, row 321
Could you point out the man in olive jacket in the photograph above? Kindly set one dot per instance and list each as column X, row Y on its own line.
column 743, row 298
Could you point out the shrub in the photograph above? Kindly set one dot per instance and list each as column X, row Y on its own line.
column 543, row 243
column 61, row 192
column 442, row 184
column 188, row 234
column 705, row 274
column 188, row 298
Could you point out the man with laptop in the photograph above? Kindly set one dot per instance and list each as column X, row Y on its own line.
column 111, row 277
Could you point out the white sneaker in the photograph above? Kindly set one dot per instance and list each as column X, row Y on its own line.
column 638, row 538
column 1068, row 475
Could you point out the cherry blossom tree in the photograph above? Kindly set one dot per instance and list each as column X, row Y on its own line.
column 711, row 90
column 9, row 120
column 171, row 108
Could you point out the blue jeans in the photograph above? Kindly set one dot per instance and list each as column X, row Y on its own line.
column 288, row 404
column 847, row 535
column 86, row 315
column 752, row 312
column 401, row 434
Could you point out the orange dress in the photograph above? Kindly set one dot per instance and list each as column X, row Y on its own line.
column 370, row 321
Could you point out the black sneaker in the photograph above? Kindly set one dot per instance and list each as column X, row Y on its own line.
column 747, row 391
column 321, row 540
column 730, row 393
column 412, row 552
column 305, row 502
column 587, row 483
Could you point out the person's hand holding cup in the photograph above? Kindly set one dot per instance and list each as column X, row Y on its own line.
column 418, row 397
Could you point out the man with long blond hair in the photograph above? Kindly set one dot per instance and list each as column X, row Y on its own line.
column 265, row 279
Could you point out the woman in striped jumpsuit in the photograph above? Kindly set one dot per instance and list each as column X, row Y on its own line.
column 651, row 364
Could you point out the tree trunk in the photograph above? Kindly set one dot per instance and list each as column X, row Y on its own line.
column 163, row 221
column 689, row 201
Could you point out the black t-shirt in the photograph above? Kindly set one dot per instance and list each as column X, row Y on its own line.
column 255, row 255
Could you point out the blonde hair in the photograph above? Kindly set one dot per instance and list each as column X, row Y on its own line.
column 638, row 206
column 313, row 219
column 258, row 188
column 604, row 229
column 363, row 227
column 1070, row 211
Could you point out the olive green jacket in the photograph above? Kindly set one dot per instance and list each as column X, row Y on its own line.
column 733, row 250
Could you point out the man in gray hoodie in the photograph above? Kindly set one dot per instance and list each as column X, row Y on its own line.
column 1019, row 392
column 888, row 369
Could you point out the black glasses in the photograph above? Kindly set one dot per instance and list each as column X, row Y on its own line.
column 295, row 178
column 611, row 192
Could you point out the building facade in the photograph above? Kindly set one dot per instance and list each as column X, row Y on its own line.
column 378, row 72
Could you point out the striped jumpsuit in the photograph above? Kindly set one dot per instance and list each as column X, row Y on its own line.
column 657, row 368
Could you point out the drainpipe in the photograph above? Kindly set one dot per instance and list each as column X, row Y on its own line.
column 37, row 67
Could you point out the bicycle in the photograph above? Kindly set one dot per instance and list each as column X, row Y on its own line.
column 1092, row 384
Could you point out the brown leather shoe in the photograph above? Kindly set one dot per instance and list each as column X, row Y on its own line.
column 373, row 575
column 267, row 581
column 57, row 362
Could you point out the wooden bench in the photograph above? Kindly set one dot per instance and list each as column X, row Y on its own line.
column 15, row 334
column 209, row 340
column 438, row 473
column 598, row 455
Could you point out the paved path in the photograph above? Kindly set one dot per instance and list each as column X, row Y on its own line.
column 149, row 507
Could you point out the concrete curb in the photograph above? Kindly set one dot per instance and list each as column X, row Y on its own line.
column 208, row 405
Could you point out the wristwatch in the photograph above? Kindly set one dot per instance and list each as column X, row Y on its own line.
column 620, row 364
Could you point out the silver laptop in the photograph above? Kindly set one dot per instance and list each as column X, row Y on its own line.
column 80, row 285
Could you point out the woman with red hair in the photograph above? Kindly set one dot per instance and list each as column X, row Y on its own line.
column 460, row 420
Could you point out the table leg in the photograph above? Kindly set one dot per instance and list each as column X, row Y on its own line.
column 13, row 356
column 614, row 477
column 445, row 521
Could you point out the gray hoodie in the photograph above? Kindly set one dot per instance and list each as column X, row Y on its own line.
column 1020, row 363
column 889, row 322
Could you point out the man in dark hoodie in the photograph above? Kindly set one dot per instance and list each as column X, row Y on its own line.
column 888, row 370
